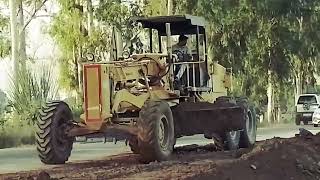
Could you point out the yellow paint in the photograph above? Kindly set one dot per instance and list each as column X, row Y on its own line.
column 105, row 92
column 92, row 84
column 125, row 96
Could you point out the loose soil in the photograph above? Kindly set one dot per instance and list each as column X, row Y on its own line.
column 296, row 158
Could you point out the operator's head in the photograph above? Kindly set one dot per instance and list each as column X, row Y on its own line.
column 183, row 40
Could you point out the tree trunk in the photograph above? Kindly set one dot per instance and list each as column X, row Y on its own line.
column 169, row 6
column 75, row 65
column 22, row 38
column 278, row 107
column 14, row 37
column 270, row 97
column 279, row 113
column 298, row 80
column 90, row 17
column 80, row 81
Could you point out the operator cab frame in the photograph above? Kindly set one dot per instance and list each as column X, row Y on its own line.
column 195, row 77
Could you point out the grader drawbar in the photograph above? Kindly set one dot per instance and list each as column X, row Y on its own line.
column 138, row 99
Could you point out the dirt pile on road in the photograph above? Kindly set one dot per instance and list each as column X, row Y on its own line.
column 296, row 158
column 284, row 159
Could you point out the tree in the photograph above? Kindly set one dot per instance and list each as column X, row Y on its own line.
column 18, row 27
column 4, row 38
column 14, row 35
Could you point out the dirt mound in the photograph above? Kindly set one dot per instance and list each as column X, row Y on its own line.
column 286, row 159
column 293, row 159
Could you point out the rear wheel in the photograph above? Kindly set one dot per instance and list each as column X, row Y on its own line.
column 248, row 135
column 53, row 145
column 305, row 122
column 315, row 125
column 156, row 132
column 232, row 138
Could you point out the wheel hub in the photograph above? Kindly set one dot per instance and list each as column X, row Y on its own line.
column 163, row 133
column 233, row 134
column 249, row 123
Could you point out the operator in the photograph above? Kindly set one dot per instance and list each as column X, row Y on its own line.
column 183, row 53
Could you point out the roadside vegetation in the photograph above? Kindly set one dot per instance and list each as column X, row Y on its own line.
column 272, row 47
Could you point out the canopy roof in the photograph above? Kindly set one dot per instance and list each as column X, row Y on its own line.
column 180, row 24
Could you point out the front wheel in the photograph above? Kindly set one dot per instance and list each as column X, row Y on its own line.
column 133, row 143
column 156, row 131
column 53, row 145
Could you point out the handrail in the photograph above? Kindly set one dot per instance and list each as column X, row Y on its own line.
column 190, row 62
column 118, row 62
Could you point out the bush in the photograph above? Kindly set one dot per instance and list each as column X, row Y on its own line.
column 29, row 91
column 14, row 134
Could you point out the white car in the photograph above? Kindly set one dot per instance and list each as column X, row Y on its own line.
column 306, row 105
column 316, row 117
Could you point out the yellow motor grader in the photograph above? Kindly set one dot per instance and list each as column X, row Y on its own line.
column 139, row 99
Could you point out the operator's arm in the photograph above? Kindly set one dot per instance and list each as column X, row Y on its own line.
column 189, row 54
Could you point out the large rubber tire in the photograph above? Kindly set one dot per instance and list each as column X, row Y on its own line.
column 231, row 139
column 305, row 122
column 156, row 132
column 133, row 143
column 249, row 133
column 53, row 146
column 315, row 125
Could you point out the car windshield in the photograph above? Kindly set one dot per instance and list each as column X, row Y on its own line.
column 307, row 99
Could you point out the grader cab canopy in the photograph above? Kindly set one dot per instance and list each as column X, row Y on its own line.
column 180, row 24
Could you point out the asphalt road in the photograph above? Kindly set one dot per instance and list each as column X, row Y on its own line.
column 25, row 158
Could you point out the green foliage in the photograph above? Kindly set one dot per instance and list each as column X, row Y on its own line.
column 30, row 92
column 4, row 101
column 4, row 36
column 118, row 14
column 155, row 7
column 69, row 33
column 16, row 134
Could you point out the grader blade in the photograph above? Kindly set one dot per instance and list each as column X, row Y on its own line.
column 207, row 118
